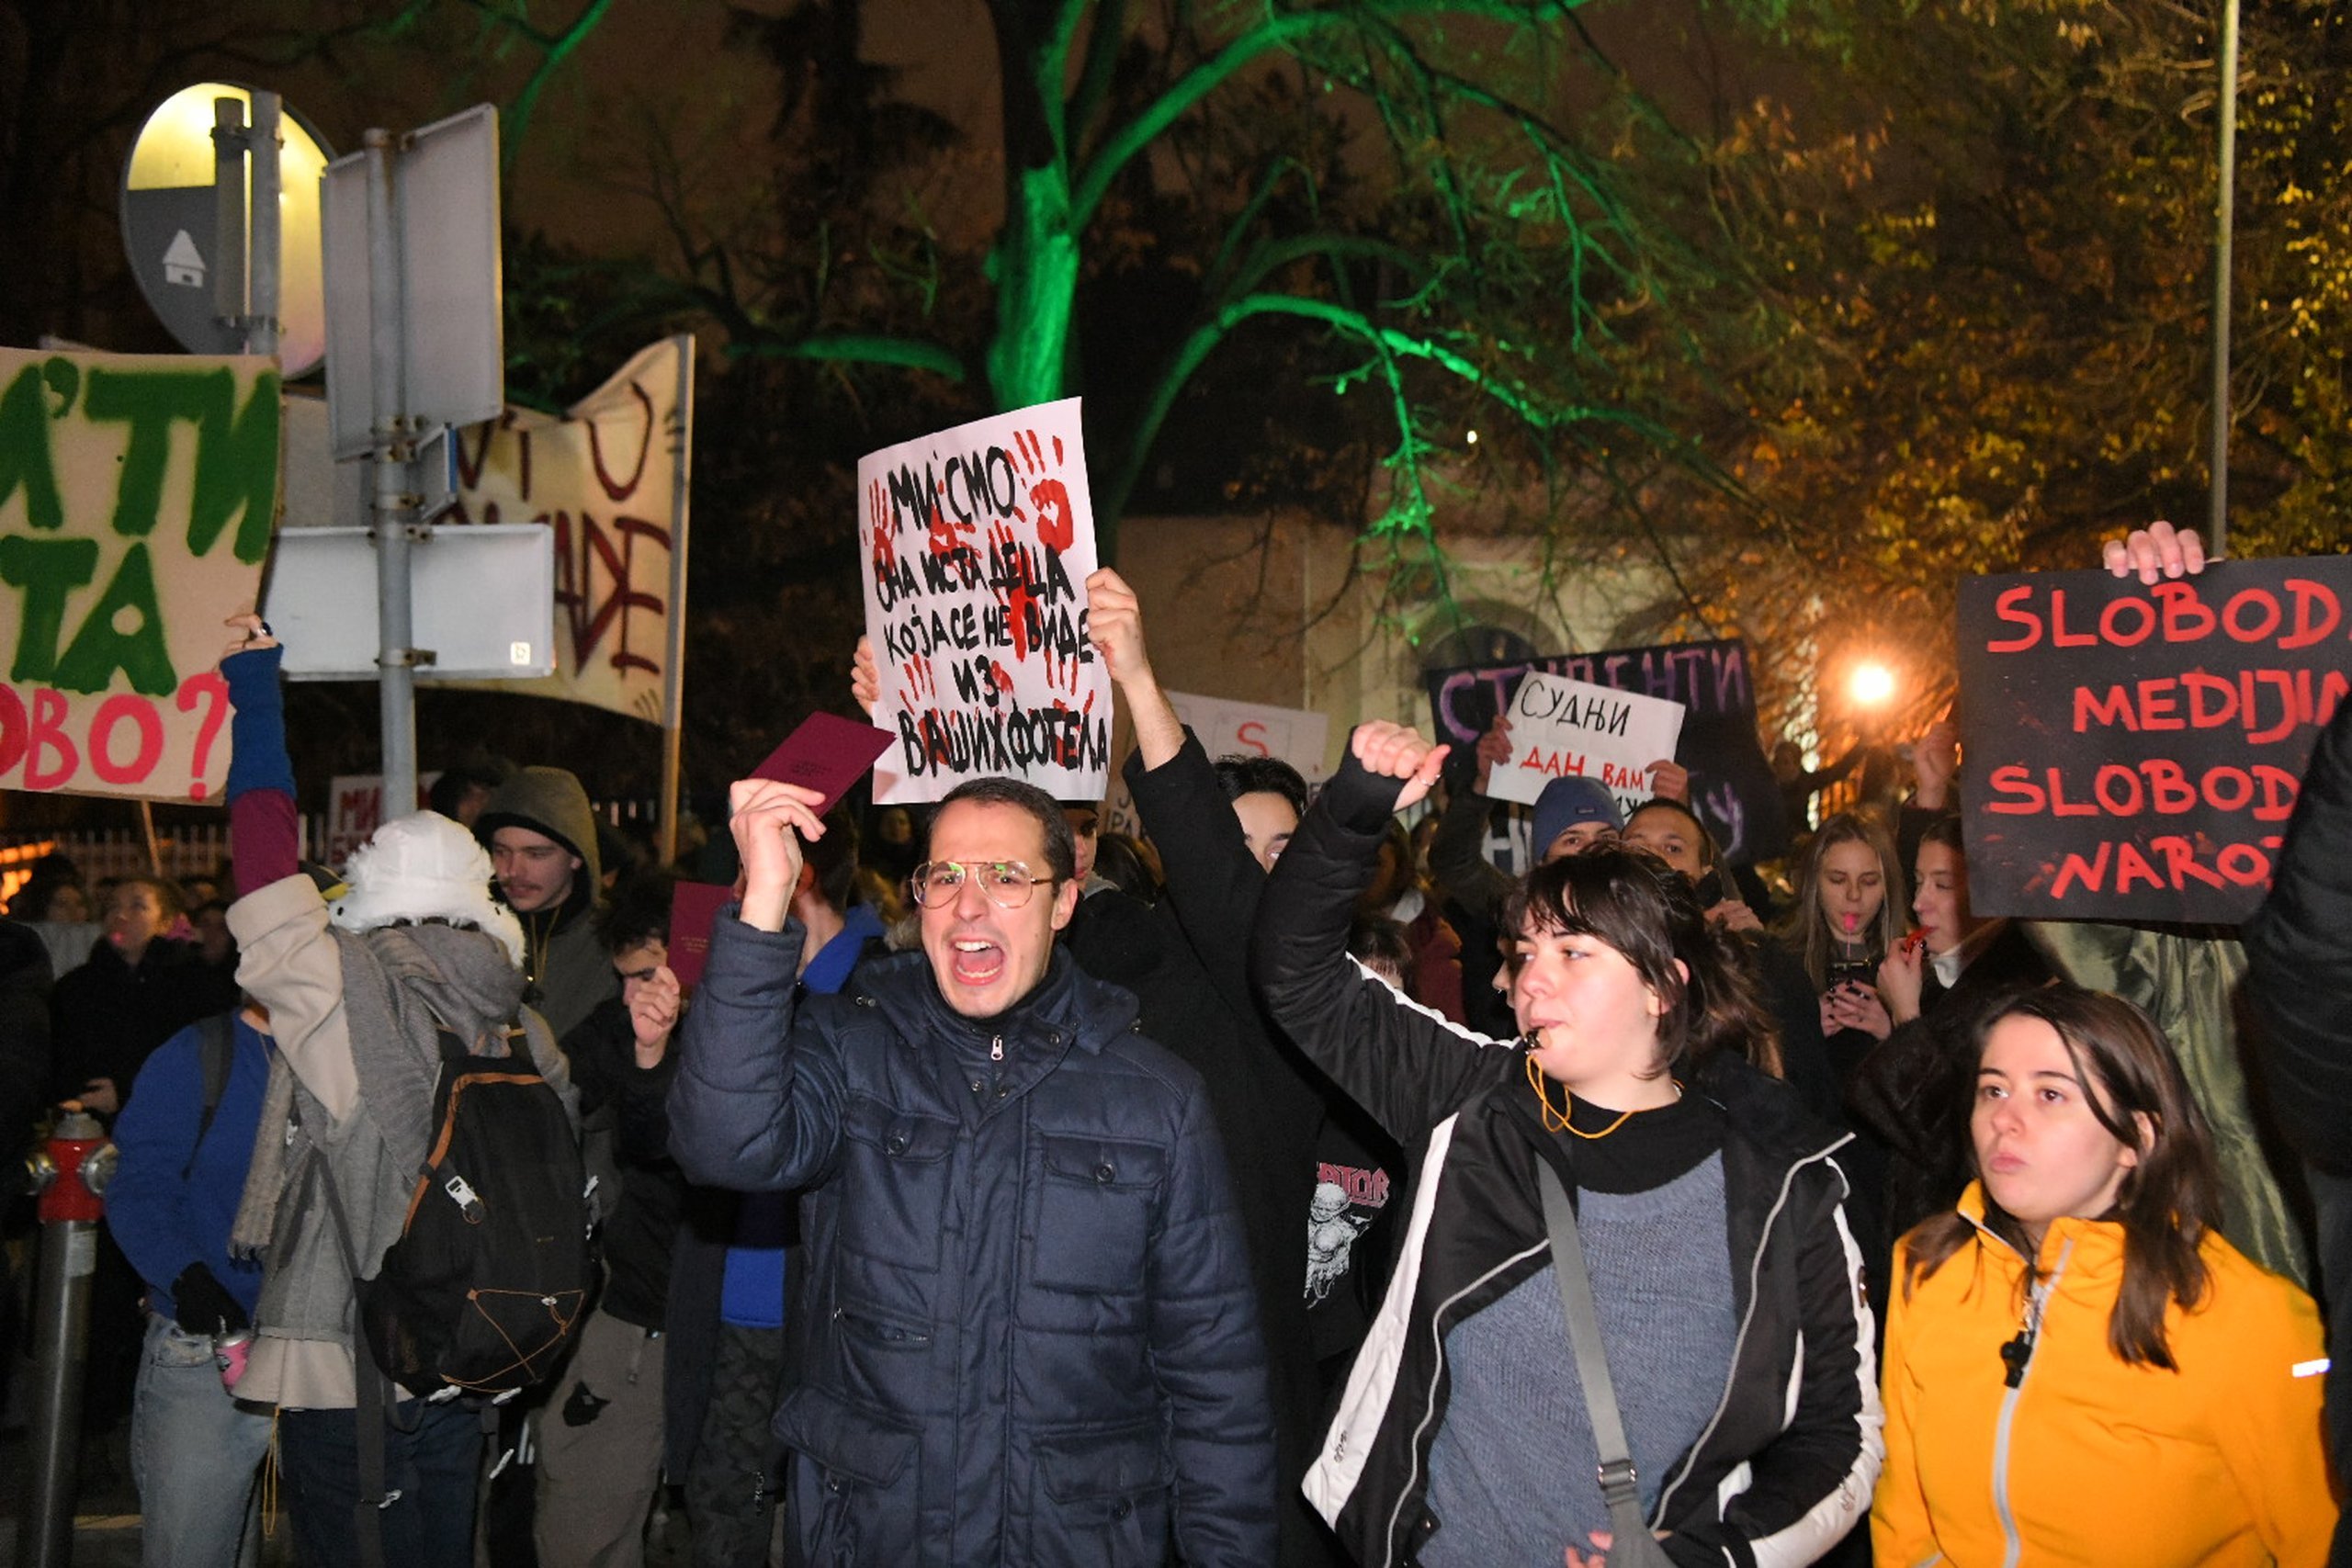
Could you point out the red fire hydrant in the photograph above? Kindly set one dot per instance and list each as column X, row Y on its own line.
column 71, row 1173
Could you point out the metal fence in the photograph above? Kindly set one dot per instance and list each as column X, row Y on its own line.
column 194, row 849
column 201, row 849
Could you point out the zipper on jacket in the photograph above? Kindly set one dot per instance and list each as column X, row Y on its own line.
column 2020, row 1368
column 1414, row 1478
column 881, row 1328
column 995, row 1048
column 1740, row 1340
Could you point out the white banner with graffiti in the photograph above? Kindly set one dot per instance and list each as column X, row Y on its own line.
column 610, row 479
column 137, row 497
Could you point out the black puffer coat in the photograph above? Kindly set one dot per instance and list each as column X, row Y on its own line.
column 1021, row 1319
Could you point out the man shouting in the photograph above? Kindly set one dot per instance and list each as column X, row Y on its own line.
column 1023, row 1317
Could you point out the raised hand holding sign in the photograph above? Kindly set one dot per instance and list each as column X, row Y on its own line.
column 977, row 542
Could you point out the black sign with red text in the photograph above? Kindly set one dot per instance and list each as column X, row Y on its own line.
column 2133, row 752
column 1731, row 784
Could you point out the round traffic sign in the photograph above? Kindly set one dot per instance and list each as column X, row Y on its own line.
column 169, row 224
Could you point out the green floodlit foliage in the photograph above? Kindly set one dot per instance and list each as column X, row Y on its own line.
column 1415, row 201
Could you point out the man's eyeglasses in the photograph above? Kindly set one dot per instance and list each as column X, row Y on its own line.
column 1007, row 883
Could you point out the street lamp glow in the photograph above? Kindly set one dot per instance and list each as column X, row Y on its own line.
column 1474, row 438
column 1871, row 685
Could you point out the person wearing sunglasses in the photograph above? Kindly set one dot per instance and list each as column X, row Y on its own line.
column 1028, row 1330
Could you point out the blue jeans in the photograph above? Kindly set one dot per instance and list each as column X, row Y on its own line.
column 195, row 1456
column 433, row 1464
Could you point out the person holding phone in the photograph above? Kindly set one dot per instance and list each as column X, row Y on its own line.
column 1849, row 915
column 1848, row 918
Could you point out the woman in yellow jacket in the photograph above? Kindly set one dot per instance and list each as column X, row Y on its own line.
column 2079, row 1369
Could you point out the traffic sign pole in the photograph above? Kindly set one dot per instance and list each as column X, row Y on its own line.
column 267, row 142
column 395, row 503
column 229, row 210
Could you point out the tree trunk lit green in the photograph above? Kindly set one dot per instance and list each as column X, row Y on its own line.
column 1035, row 267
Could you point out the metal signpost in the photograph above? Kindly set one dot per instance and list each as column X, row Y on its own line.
column 482, row 598
column 415, row 342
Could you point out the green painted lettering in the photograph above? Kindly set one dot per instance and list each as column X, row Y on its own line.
column 147, row 401
column 236, row 452
column 46, row 570
column 101, row 647
column 236, row 471
column 25, row 457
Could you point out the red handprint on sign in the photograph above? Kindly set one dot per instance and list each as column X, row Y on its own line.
column 1055, row 527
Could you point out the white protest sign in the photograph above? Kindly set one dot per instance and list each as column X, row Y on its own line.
column 1230, row 728
column 978, row 544
column 1562, row 729
column 138, row 493
column 355, row 809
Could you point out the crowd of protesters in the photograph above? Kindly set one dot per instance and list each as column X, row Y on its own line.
column 955, row 1214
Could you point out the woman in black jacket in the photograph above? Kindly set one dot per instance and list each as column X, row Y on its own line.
column 145, row 981
column 1913, row 1089
column 1728, row 1285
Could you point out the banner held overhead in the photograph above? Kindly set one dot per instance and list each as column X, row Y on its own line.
column 137, row 497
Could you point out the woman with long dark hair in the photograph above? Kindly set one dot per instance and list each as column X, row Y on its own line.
column 1911, row 1092
column 1707, row 1208
column 1847, row 918
column 2079, row 1368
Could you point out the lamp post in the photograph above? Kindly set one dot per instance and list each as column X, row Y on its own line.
column 2226, row 155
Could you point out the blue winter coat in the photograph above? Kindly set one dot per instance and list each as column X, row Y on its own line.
column 1024, row 1323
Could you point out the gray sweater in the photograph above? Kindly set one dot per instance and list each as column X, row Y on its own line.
column 1513, row 1471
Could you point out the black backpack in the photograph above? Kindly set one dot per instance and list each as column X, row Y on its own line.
column 487, row 1287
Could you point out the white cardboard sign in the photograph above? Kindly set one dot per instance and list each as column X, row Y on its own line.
column 355, row 809
column 138, row 493
column 1230, row 728
column 1573, row 729
column 977, row 542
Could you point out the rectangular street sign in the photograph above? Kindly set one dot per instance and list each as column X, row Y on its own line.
column 452, row 344
column 483, row 597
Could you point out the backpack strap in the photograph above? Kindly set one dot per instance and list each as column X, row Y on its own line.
column 217, row 1052
column 371, row 1405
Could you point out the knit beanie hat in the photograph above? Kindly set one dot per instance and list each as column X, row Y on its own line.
column 1568, row 801
column 423, row 867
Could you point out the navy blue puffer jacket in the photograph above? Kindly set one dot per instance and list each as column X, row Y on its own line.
column 1023, row 1316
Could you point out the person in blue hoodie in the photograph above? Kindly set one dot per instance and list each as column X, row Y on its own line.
column 185, row 1137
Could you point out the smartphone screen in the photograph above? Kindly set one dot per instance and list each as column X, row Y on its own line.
column 1856, row 971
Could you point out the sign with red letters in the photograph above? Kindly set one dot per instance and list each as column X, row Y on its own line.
column 2133, row 752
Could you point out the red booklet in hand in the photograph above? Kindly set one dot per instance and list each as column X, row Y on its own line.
column 828, row 753
column 694, row 909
